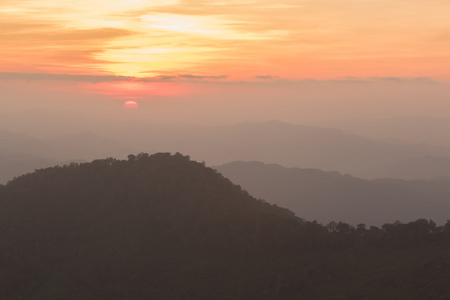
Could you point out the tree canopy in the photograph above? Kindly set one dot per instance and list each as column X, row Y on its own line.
column 163, row 226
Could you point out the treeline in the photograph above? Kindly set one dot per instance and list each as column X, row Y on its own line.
column 183, row 184
column 390, row 235
column 164, row 227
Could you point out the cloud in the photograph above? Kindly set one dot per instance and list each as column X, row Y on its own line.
column 197, row 77
column 158, row 78
column 240, row 38
column 41, row 47
column 63, row 77
column 101, row 78
column 267, row 77
column 405, row 79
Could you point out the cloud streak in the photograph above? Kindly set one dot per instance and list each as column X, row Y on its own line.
column 103, row 78
column 62, row 77
column 294, row 39
column 220, row 79
column 198, row 77
column 266, row 77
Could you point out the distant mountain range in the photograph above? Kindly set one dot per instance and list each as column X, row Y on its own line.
column 410, row 129
column 21, row 154
column 291, row 146
column 70, row 136
column 330, row 196
column 12, row 165
column 422, row 167
column 47, row 124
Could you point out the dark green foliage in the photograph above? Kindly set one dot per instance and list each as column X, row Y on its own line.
column 166, row 227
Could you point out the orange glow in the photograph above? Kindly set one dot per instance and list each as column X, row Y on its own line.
column 241, row 39
column 135, row 89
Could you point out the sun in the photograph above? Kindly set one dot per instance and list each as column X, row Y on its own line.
column 130, row 104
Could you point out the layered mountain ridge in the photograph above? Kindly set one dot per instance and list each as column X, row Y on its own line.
column 165, row 227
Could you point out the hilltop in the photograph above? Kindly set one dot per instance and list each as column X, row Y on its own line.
column 165, row 227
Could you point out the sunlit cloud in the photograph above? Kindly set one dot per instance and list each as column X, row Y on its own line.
column 64, row 77
column 266, row 77
column 190, row 76
column 294, row 39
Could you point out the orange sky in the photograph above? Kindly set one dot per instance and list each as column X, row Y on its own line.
column 230, row 40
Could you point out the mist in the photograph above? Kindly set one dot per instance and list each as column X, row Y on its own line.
column 224, row 149
column 202, row 103
column 367, row 128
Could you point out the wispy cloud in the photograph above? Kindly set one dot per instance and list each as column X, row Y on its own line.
column 267, row 77
column 322, row 39
column 405, row 79
column 295, row 39
column 260, row 79
column 158, row 78
column 103, row 78
column 63, row 77
column 199, row 77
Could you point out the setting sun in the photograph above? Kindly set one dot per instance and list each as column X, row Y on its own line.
column 238, row 149
column 130, row 104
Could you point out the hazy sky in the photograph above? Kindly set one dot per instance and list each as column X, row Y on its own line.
column 228, row 61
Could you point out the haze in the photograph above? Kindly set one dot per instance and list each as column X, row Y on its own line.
column 360, row 88
column 212, row 149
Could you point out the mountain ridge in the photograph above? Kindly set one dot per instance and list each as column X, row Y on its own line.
column 330, row 196
column 163, row 226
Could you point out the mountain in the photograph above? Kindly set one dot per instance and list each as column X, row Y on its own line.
column 84, row 145
column 46, row 124
column 409, row 129
column 166, row 227
column 271, row 142
column 87, row 146
column 19, row 143
column 330, row 196
column 281, row 143
column 116, row 229
column 423, row 167
column 20, row 153
column 13, row 165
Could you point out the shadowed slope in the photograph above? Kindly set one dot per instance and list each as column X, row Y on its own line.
column 99, row 229
column 166, row 227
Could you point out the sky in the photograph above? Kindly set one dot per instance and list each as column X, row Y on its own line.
column 227, row 61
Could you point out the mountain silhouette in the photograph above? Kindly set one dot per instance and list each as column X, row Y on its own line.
column 284, row 144
column 95, row 222
column 166, row 227
column 330, row 196
column 20, row 153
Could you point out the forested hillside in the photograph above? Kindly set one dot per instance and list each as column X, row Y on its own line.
column 166, row 227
